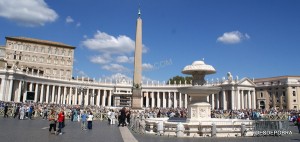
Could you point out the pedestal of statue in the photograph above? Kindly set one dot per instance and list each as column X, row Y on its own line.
column 136, row 98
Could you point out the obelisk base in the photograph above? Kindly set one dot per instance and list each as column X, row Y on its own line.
column 136, row 98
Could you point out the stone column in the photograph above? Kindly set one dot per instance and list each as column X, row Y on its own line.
column 212, row 101
column 58, row 100
column 36, row 92
column 238, row 99
column 224, row 100
column 232, row 100
column 175, row 99
column 47, row 93
column 164, row 100
column 19, row 91
column 65, row 94
column 109, row 98
column 180, row 100
column 53, row 94
column 243, row 100
column 254, row 99
column 217, row 100
column 42, row 93
column 98, row 98
column 249, row 100
column 30, row 86
column 10, row 89
column 81, row 97
column 76, row 97
column 147, row 100
column 153, row 99
column 185, row 100
column 71, row 97
column 86, row 97
column 103, row 98
column 2, row 94
column 158, row 99
column 169, row 99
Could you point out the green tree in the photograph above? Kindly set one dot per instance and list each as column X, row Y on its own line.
column 177, row 79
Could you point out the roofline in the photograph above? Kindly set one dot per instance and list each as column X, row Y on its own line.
column 40, row 41
column 275, row 77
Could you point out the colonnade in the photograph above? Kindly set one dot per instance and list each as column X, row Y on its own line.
column 233, row 99
column 165, row 99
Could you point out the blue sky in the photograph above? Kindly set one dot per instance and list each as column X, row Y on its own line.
column 249, row 38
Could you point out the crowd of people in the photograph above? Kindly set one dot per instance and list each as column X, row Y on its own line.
column 56, row 114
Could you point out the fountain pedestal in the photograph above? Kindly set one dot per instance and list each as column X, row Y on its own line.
column 199, row 108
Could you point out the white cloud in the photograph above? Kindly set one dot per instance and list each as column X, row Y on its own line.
column 233, row 37
column 78, row 24
column 115, row 68
column 124, row 59
column 147, row 66
column 119, row 77
column 27, row 12
column 101, row 59
column 106, row 43
column 80, row 73
column 69, row 19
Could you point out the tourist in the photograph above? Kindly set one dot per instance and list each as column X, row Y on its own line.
column 45, row 113
column 17, row 112
column 122, row 116
column 112, row 117
column 128, row 117
column 60, row 120
column 75, row 115
column 52, row 120
column 109, row 116
column 83, row 120
column 5, row 110
column 90, row 120
column 22, row 112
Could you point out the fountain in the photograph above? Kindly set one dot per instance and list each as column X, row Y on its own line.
column 199, row 108
column 199, row 121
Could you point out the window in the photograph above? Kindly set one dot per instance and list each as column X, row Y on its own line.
column 277, row 101
column 283, row 93
column 70, row 52
column 62, row 61
column 261, row 94
column 294, row 101
column 63, row 52
column 294, row 93
column 43, row 49
column 49, row 50
column 55, row 51
column 49, row 60
column 41, row 59
column 295, row 107
column 293, row 87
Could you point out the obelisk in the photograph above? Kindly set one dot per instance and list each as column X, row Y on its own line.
column 137, row 76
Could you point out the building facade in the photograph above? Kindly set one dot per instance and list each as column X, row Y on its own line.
column 25, row 68
column 280, row 92
column 42, row 57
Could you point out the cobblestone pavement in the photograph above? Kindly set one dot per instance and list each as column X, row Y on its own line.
column 14, row 130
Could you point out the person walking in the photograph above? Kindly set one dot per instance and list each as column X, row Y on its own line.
column 17, row 112
column 22, row 112
column 112, row 117
column 298, row 122
column 90, row 120
column 45, row 113
column 122, row 117
column 60, row 120
column 52, row 121
column 83, row 121
column 5, row 110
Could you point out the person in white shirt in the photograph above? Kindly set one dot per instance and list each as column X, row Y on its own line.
column 90, row 120
column 112, row 117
